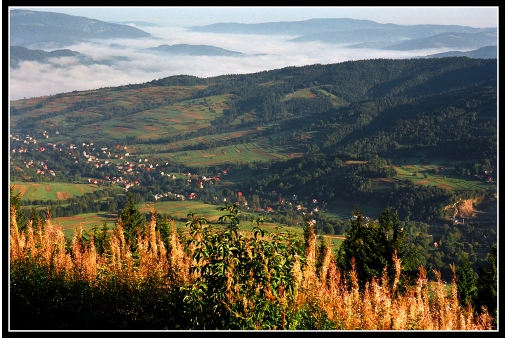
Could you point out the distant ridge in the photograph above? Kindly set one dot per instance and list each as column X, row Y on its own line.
column 198, row 50
column 487, row 52
column 19, row 54
column 449, row 40
column 137, row 23
column 47, row 30
column 365, row 33
column 288, row 27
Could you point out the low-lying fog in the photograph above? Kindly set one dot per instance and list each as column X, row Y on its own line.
column 122, row 62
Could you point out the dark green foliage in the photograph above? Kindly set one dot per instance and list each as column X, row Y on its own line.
column 15, row 203
column 308, row 232
column 132, row 222
column 421, row 203
column 100, row 237
column 467, row 284
column 231, row 216
column 371, row 245
column 36, row 219
column 487, row 284
column 163, row 226
column 255, row 261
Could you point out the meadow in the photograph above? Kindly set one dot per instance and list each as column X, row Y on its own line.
column 175, row 210
column 427, row 175
column 85, row 221
column 236, row 154
column 51, row 190
column 98, row 104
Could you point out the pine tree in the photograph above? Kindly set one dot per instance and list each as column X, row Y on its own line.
column 101, row 238
column 372, row 245
column 466, row 283
column 487, row 284
column 132, row 222
column 163, row 226
column 15, row 204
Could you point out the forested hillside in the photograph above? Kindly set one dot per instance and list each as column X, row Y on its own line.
column 385, row 104
column 292, row 144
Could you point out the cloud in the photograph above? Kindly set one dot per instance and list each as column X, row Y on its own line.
column 123, row 61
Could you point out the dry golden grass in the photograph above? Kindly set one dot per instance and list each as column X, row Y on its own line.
column 377, row 307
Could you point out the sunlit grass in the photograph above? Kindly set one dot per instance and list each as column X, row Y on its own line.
column 322, row 297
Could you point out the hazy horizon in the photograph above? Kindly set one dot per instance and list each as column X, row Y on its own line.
column 184, row 16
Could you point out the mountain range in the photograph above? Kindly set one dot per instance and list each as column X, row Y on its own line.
column 366, row 33
column 47, row 30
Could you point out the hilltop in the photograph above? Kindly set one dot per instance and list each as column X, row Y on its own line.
column 48, row 30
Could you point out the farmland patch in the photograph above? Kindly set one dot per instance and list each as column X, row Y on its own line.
column 448, row 187
column 120, row 130
column 264, row 154
column 355, row 162
column 151, row 128
column 21, row 189
column 60, row 196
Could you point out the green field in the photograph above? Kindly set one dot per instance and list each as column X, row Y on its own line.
column 237, row 154
column 86, row 220
column 426, row 175
column 175, row 209
column 180, row 209
column 161, row 122
column 51, row 190
column 104, row 101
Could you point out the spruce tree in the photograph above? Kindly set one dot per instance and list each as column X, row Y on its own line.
column 372, row 245
column 466, row 283
column 132, row 222
column 101, row 237
column 15, row 200
column 487, row 284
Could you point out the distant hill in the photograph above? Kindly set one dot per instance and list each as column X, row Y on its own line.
column 19, row 54
column 185, row 49
column 137, row 23
column 487, row 52
column 336, row 105
column 288, row 27
column 365, row 33
column 451, row 40
column 47, row 30
column 354, row 36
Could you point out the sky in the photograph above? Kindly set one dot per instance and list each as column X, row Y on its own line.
column 132, row 66
column 181, row 16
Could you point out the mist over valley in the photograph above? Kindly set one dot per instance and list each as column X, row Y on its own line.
column 113, row 54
